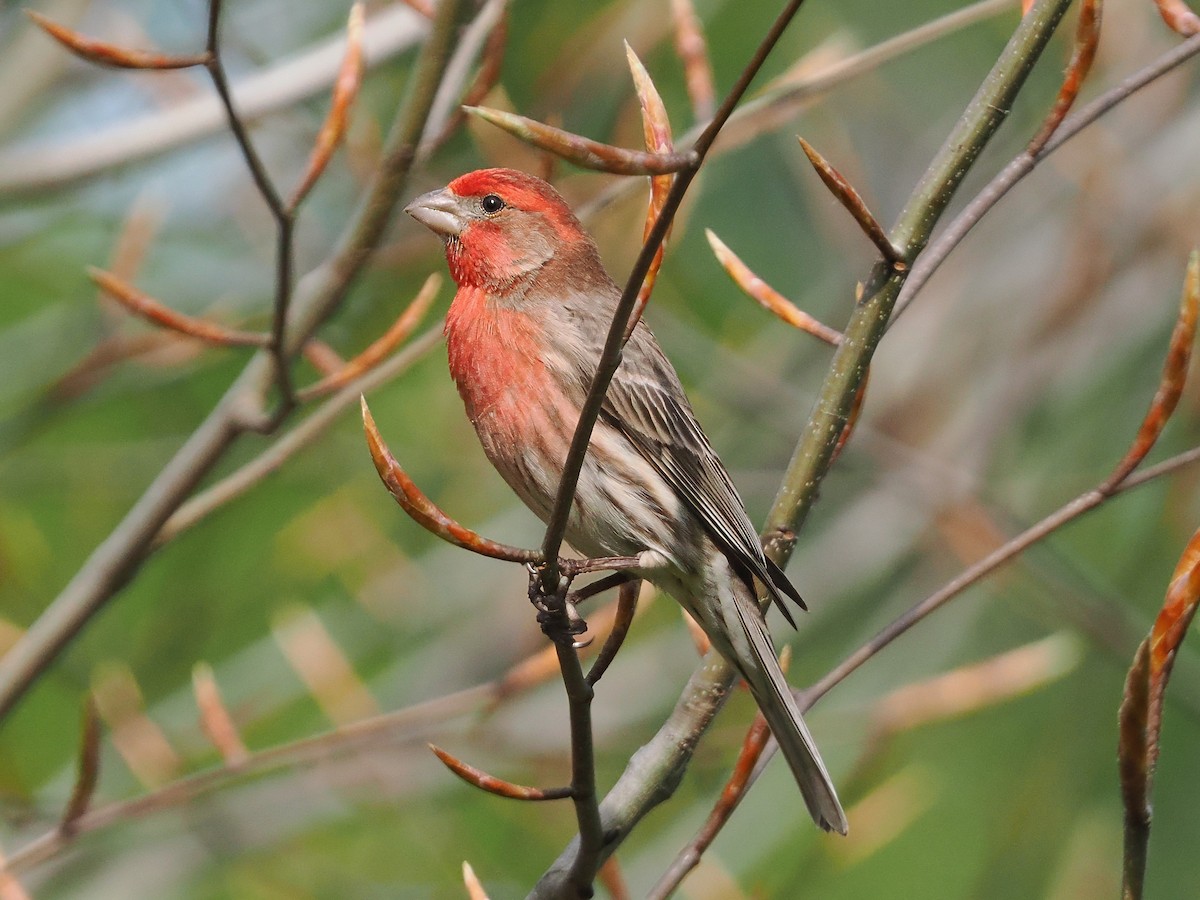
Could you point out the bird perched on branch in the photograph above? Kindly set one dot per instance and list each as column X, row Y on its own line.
column 524, row 333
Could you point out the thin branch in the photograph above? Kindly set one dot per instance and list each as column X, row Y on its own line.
column 112, row 563
column 854, row 204
column 627, row 598
column 1087, row 40
column 1174, row 375
column 283, row 215
column 152, row 310
column 1179, row 17
column 382, row 347
column 656, row 128
column 769, row 298
column 584, row 151
column 583, row 772
column 473, row 885
column 215, row 718
column 752, row 747
column 932, row 259
column 314, row 425
column 497, row 786
column 110, row 55
column 1161, row 406
column 693, row 51
column 87, row 770
column 744, row 768
column 54, row 164
column 345, row 92
column 424, row 511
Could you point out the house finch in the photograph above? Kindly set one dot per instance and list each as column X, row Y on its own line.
column 524, row 333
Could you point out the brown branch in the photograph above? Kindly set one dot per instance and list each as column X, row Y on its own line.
column 1179, row 17
column 215, row 718
column 111, row 564
column 381, row 348
column 770, row 299
column 996, row 189
column 424, row 511
column 497, row 786
column 1160, row 409
column 854, row 204
column 582, row 151
column 1087, row 39
column 693, row 51
column 474, row 886
column 110, row 55
column 656, row 129
column 284, row 226
column 689, row 857
column 1174, row 375
column 87, row 771
column 1140, row 718
column 274, row 457
column 583, row 772
column 152, row 310
column 627, row 598
column 1135, row 768
column 345, row 92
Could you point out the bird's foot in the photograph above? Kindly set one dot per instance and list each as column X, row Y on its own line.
column 556, row 613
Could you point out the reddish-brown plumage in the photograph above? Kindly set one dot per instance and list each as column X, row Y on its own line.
column 524, row 334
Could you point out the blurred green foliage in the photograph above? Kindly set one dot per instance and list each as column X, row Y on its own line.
column 1015, row 382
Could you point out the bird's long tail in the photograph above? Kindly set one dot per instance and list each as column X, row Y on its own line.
column 740, row 634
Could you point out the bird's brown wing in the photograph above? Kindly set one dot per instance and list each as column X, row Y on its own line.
column 648, row 406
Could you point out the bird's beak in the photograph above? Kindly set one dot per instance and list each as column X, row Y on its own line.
column 440, row 211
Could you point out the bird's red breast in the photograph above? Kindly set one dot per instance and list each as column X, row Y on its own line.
column 495, row 357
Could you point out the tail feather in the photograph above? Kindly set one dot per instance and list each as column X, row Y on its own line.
column 748, row 646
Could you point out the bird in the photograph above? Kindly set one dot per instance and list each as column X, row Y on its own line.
column 524, row 335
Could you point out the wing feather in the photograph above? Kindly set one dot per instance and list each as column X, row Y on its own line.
column 648, row 406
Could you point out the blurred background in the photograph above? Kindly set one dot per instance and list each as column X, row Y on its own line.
column 1014, row 383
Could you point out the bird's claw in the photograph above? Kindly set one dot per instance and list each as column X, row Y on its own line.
column 556, row 613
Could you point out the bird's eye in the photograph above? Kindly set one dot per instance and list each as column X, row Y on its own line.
column 491, row 204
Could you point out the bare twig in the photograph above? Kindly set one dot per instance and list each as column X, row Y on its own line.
column 1087, row 39
column 583, row 151
column 148, row 308
column 846, row 195
column 423, row 510
column 1179, row 17
column 1117, row 483
column 627, row 598
column 1140, row 720
column 345, row 92
column 382, row 347
column 103, row 54
column 284, row 216
column 770, row 299
column 314, row 425
column 87, row 770
column 735, row 788
column 118, row 557
column 497, row 786
column 995, row 190
column 474, row 886
column 390, row 31
column 656, row 129
column 693, row 51
column 215, row 718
